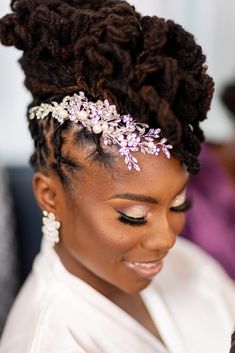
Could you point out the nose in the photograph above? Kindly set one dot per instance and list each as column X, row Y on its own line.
column 161, row 237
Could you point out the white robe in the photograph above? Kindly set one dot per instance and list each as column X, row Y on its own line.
column 192, row 303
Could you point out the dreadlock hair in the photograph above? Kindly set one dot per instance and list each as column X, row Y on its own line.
column 148, row 67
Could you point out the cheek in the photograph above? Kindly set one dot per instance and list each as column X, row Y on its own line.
column 115, row 238
column 177, row 222
column 89, row 232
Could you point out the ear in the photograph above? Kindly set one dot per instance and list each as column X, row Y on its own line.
column 45, row 191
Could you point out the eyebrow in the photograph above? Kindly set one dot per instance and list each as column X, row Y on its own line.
column 142, row 198
column 135, row 197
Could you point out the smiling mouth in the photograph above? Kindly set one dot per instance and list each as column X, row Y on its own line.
column 145, row 269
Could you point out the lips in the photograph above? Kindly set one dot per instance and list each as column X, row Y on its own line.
column 145, row 269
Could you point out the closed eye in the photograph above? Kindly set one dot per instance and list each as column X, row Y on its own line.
column 183, row 207
column 131, row 220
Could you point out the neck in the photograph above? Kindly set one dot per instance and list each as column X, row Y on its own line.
column 105, row 288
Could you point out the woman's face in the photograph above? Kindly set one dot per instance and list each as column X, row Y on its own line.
column 117, row 227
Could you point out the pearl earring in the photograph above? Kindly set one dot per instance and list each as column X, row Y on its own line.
column 50, row 227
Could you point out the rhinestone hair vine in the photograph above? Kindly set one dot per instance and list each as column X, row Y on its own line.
column 102, row 118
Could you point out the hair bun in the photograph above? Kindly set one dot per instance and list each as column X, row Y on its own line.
column 12, row 33
column 148, row 67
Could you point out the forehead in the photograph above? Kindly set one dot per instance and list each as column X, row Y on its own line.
column 159, row 177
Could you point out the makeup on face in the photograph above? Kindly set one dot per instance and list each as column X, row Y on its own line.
column 146, row 269
column 133, row 215
column 181, row 202
column 137, row 214
column 118, row 231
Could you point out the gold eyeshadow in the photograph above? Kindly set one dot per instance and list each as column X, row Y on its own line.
column 135, row 211
column 180, row 199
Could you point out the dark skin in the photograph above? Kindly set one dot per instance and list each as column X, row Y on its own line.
column 95, row 244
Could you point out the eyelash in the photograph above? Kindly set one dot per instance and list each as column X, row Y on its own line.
column 184, row 207
column 142, row 220
column 131, row 220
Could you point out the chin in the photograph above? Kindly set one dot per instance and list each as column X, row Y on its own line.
column 137, row 286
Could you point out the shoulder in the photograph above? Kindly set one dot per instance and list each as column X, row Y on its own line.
column 29, row 315
column 186, row 252
column 190, row 264
column 192, row 282
column 37, row 322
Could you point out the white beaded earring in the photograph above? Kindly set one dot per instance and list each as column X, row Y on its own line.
column 50, row 227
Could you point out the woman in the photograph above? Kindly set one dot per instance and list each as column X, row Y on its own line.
column 113, row 190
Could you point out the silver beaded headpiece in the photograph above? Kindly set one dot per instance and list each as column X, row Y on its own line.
column 102, row 118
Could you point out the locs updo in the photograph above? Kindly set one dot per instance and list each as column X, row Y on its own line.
column 148, row 67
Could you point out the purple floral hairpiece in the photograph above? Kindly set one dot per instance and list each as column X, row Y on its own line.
column 102, row 118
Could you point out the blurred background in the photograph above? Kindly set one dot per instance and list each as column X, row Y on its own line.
column 211, row 222
column 212, row 23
